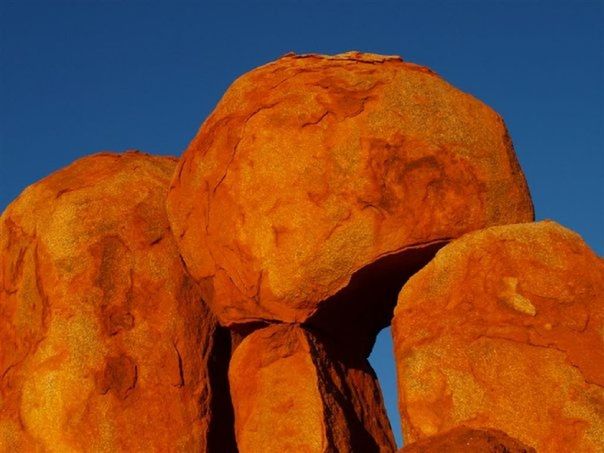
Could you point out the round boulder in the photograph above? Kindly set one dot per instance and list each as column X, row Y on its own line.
column 105, row 341
column 311, row 168
column 504, row 329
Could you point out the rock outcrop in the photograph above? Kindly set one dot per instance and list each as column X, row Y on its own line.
column 468, row 440
column 106, row 344
column 314, row 168
column 294, row 392
column 228, row 302
column 504, row 329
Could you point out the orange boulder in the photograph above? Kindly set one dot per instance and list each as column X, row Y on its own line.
column 105, row 341
column 292, row 392
column 468, row 440
column 313, row 167
column 504, row 329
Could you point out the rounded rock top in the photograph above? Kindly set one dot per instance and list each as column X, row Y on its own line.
column 313, row 167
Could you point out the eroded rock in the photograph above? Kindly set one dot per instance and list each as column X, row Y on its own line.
column 468, row 440
column 292, row 391
column 312, row 168
column 504, row 329
column 106, row 344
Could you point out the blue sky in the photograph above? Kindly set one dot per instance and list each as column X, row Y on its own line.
column 83, row 76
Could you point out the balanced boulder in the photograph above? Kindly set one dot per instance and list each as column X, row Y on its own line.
column 313, row 168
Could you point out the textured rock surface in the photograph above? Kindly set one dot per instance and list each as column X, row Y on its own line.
column 293, row 392
column 468, row 440
column 105, row 342
column 504, row 329
column 312, row 167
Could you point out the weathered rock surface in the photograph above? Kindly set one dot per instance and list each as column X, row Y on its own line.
column 295, row 393
column 504, row 329
column 105, row 342
column 313, row 167
column 468, row 440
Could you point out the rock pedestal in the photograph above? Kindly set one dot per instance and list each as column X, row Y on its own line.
column 294, row 392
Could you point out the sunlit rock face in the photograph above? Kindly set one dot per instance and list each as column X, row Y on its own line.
column 312, row 168
column 294, row 392
column 105, row 342
column 314, row 190
column 468, row 440
column 504, row 329
column 317, row 187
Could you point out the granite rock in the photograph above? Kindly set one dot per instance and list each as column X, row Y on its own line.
column 467, row 440
column 106, row 343
column 313, row 168
column 293, row 391
column 504, row 329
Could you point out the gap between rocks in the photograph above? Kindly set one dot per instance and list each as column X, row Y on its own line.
column 363, row 310
column 358, row 312
column 383, row 363
column 352, row 318
column 221, row 432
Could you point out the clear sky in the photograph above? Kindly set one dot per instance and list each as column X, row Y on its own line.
column 83, row 76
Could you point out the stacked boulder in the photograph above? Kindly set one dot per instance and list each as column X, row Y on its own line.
column 312, row 192
column 316, row 189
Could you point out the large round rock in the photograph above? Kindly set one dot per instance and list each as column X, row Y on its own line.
column 504, row 329
column 105, row 343
column 313, row 167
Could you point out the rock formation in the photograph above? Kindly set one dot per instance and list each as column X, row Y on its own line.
column 313, row 168
column 293, row 392
column 503, row 329
column 468, row 440
column 317, row 187
column 105, row 343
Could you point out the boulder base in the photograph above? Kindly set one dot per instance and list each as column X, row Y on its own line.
column 468, row 440
column 294, row 392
